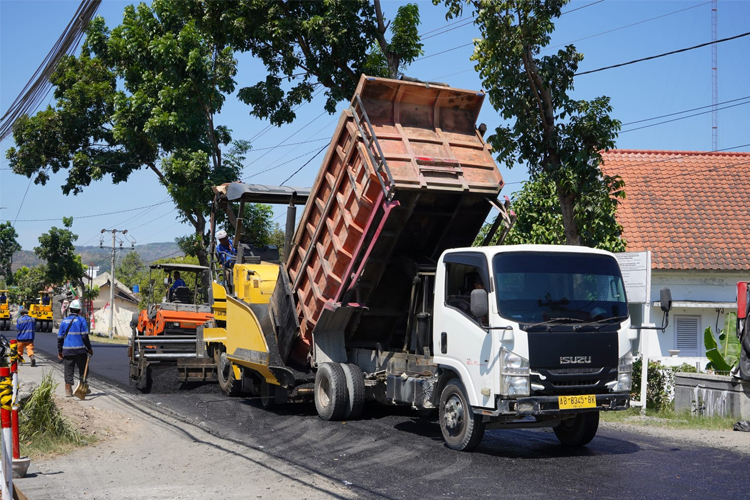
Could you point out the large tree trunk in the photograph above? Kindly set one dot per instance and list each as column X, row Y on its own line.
column 567, row 207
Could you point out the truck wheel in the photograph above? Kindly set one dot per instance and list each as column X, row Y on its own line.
column 225, row 374
column 267, row 395
column 578, row 431
column 355, row 385
column 462, row 430
column 331, row 398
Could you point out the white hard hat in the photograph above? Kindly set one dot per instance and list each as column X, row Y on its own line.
column 76, row 304
column 221, row 234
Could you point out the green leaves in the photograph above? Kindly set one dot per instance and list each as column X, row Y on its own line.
column 8, row 246
column 560, row 139
column 725, row 355
column 57, row 248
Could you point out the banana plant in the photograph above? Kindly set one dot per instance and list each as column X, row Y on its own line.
column 724, row 355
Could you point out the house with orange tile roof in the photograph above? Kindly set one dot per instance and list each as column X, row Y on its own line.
column 691, row 209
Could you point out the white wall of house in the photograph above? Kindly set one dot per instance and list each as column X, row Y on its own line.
column 696, row 296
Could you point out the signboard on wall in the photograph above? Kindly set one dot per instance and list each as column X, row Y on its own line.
column 636, row 273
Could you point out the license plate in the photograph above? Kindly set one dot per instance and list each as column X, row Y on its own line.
column 576, row 402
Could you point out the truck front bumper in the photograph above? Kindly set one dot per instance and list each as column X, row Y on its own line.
column 549, row 405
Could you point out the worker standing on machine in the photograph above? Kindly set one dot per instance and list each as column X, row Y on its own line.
column 25, row 327
column 73, row 345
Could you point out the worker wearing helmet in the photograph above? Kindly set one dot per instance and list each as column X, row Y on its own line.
column 73, row 345
column 25, row 325
column 225, row 250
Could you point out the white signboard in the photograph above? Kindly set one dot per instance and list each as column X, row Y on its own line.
column 636, row 273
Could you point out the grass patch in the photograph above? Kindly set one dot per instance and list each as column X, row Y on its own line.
column 668, row 419
column 43, row 429
column 103, row 339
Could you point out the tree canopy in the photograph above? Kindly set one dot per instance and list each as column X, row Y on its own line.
column 57, row 248
column 559, row 138
column 29, row 282
column 305, row 43
column 540, row 219
column 130, row 267
column 8, row 246
column 144, row 95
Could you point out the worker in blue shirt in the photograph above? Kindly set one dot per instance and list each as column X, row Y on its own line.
column 177, row 281
column 3, row 298
column 25, row 326
column 73, row 345
column 225, row 250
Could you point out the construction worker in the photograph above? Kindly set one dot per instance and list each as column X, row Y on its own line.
column 225, row 250
column 73, row 345
column 45, row 300
column 3, row 298
column 177, row 281
column 25, row 327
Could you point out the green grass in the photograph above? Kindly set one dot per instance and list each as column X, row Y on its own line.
column 103, row 339
column 668, row 419
column 43, row 429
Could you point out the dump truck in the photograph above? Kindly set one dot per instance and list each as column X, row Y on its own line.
column 5, row 320
column 381, row 296
column 165, row 334
column 42, row 312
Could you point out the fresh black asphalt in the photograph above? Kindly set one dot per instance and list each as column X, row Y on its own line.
column 393, row 454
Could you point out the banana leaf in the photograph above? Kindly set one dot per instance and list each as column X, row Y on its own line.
column 725, row 354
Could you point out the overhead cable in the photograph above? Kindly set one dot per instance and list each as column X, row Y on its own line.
column 39, row 86
column 686, row 49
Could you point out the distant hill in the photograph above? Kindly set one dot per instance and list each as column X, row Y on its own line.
column 93, row 255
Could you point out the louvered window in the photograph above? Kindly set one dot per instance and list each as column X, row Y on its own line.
column 687, row 329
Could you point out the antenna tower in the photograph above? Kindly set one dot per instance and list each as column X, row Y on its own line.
column 714, row 77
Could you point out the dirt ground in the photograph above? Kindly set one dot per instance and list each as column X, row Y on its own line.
column 141, row 453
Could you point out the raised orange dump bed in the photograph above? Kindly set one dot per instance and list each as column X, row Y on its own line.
column 406, row 176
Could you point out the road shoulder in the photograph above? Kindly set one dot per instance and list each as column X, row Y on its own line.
column 144, row 453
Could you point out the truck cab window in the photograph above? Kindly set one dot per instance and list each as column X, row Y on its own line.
column 461, row 279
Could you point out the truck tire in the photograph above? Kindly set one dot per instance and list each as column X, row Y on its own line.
column 267, row 395
column 578, row 431
column 331, row 395
column 355, row 386
column 462, row 430
column 225, row 374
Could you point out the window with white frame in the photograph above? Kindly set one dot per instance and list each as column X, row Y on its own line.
column 687, row 335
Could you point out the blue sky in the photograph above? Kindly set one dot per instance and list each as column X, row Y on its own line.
column 28, row 29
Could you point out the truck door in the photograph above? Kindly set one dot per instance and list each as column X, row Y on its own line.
column 459, row 339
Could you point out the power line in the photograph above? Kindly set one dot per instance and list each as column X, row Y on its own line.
column 279, row 165
column 305, row 164
column 470, row 21
column 582, row 7
column 87, row 216
column 22, row 200
column 627, row 26
column 685, row 111
column 290, row 144
column 38, row 86
column 685, row 117
column 686, row 49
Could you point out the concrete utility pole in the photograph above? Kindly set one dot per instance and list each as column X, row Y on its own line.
column 110, row 328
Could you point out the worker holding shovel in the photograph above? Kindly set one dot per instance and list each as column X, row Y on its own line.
column 73, row 346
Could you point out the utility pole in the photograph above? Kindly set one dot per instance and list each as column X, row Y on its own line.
column 714, row 76
column 110, row 328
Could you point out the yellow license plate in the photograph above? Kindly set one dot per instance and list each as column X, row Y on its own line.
column 576, row 402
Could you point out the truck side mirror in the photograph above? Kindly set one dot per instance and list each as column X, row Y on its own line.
column 479, row 303
column 665, row 299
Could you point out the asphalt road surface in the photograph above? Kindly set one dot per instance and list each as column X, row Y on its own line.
column 391, row 453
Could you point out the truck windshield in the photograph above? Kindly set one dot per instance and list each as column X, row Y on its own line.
column 536, row 287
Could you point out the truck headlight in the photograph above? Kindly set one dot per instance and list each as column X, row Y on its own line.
column 625, row 373
column 514, row 374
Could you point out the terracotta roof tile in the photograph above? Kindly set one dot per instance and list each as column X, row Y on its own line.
column 688, row 207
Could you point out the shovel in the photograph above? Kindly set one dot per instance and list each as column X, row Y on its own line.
column 83, row 387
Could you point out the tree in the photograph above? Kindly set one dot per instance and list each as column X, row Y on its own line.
column 540, row 219
column 8, row 246
column 57, row 248
column 29, row 282
column 130, row 267
column 559, row 138
column 151, row 282
column 144, row 95
column 303, row 44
